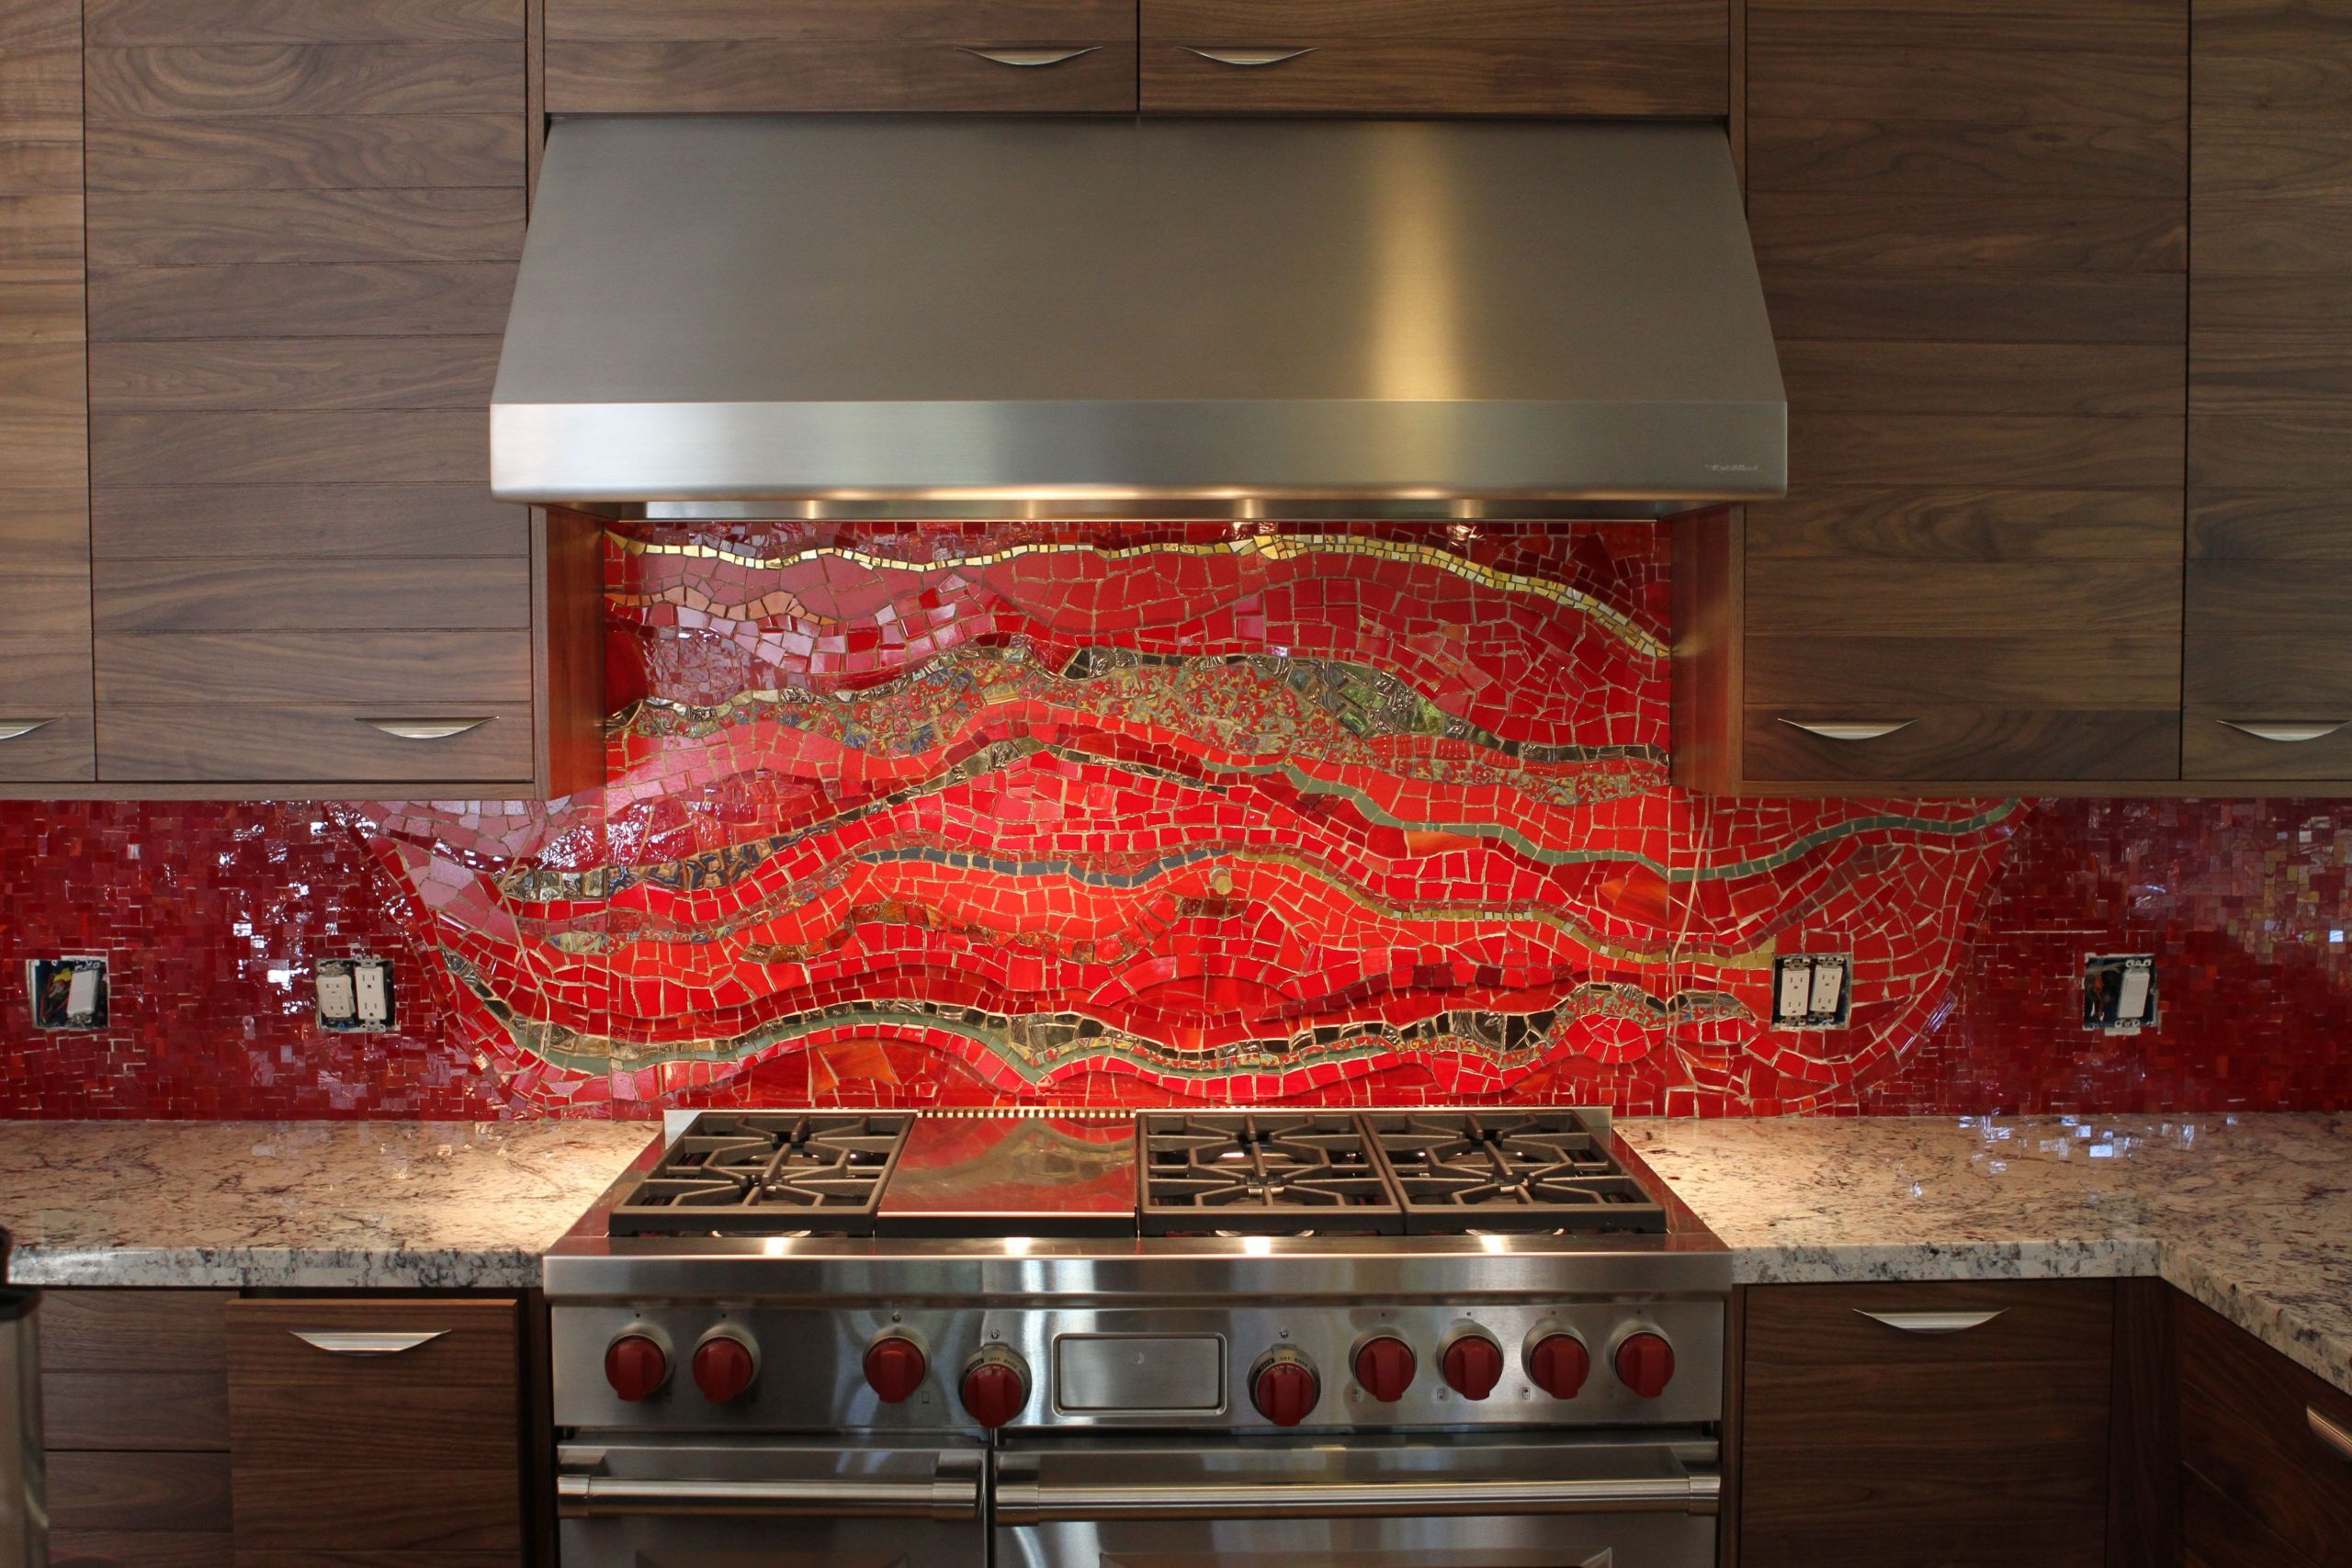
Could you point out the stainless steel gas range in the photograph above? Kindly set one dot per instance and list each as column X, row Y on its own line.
column 1424, row 1338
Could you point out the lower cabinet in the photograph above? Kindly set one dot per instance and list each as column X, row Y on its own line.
column 201, row 1429
column 1925, row 1426
column 2266, row 1453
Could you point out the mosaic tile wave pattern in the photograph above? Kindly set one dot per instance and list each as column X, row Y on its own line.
column 965, row 813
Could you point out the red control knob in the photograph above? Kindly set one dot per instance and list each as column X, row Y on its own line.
column 895, row 1368
column 1646, row 1364
column 1385, row 1367
column 1285, row 1388
column 1473, row 1365
column 636, row 1366
column 724, row 1367
column 1559, row 1364
column 996, row 1386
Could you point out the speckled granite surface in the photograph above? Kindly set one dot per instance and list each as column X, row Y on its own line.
column 2252, row 1215
column 312, row 1204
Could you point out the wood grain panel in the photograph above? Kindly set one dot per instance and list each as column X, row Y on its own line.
column 418, row 446
column 1906, row 229
column 2096, row 27
column 1891, row 675
column 2313, row 86
column 2244, row 1431
column 2131, row 596
column 2211, row 750
column 458, row 299
column 115, row 22
column 1862, row 1444
column 1701, row 23
column 1902, row 526
column 2310, row 530
column 398, row 670
column 452, row 373
column 307, row 152
column 43, row 307
column 62, row 750
column 2058, row 452
column 1857, row 80
column 41, row 233
column 144, row 1411
column 41, row 381
column 44, row 599
column 181, row 1492
column 1948, row 745
column 311, row 596
column 1899, row 378
column 44, row 676
column 180, row 81
column 50, row 526
column 306, row 523
column 2217, row 1533
column 425, row 1559
column 2284, row 451
column 230, row 742
column 466, row 1429
column 1596, row 77
column 198, row 228
column 132, row 1331
column 790, row 76
column 2289, row 373
column 1975, row 306
column 2244, row 152
column 2288, row 234
column 40, row 157
column 960, row 21
column 142, row 1548
column 2272, row 310
column 42, row 452
column 1951, row 158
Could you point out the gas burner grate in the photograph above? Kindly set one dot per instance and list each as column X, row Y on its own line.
column 1261, row 1174
column 767, row 1174
column 1485, row 1170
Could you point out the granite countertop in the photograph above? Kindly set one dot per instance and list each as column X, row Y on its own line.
column 311, row 1204
column 2250, row 1215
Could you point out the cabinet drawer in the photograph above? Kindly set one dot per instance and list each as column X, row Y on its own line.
column 1875, row 1443
column 1581, row 57
column 140, row 743
column 416, row 1406
column 132, row 1331
column 45, row 682
column 174, row 1491
column 62, row 750
column 1964, row 744
column 2216, row 1533
column 795, row 76
column 2247, row 1428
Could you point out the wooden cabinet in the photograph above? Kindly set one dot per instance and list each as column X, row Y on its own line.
column 1892, row 1426
column 1429, row 57
column 199, row 1429
column 772, row 56
column 2269, row 627
column 46, row 733
column 302, row 227
column 2266, row 1449
column 1972, row 228
column 385, row 1425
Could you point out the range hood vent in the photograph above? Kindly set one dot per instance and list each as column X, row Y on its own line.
column 927, row 316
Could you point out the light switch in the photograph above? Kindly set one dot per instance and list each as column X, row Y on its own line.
column 2120, row 992
column 67, row 993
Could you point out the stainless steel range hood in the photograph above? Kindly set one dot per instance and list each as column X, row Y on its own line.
column 933, row 316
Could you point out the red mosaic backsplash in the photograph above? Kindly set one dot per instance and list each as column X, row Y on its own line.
column 962, row 813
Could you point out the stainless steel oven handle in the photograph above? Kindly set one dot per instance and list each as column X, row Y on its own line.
column 604, row 1496
column 1028, row 1503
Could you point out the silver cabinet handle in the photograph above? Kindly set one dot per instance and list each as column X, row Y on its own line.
column 1851, row 728
column 591, row 1496
column 2338, row 1438
column 371, row 1343
column 1029, row 58
column 1932, row 1322
column 16, row 728
column 1247, row 56
column 1022, row 1502
column 2288, row 733
column 426, row 729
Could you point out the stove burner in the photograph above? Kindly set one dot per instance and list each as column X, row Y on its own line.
column 796, row 1173
column 1488, row 1171
column 1261, row 1174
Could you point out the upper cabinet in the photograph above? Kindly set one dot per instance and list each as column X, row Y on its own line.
column 302, row 225
column 2269, row 654
column 804, row 56
column 1437, row 57
column 46, row 733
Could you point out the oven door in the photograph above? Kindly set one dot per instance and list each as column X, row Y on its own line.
column 1436, row 1502
column 690, row 1505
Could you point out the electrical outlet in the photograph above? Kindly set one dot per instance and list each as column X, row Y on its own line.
column 2120, row 992
column 67, row 993
column 1813, row 990
column 354, row 995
